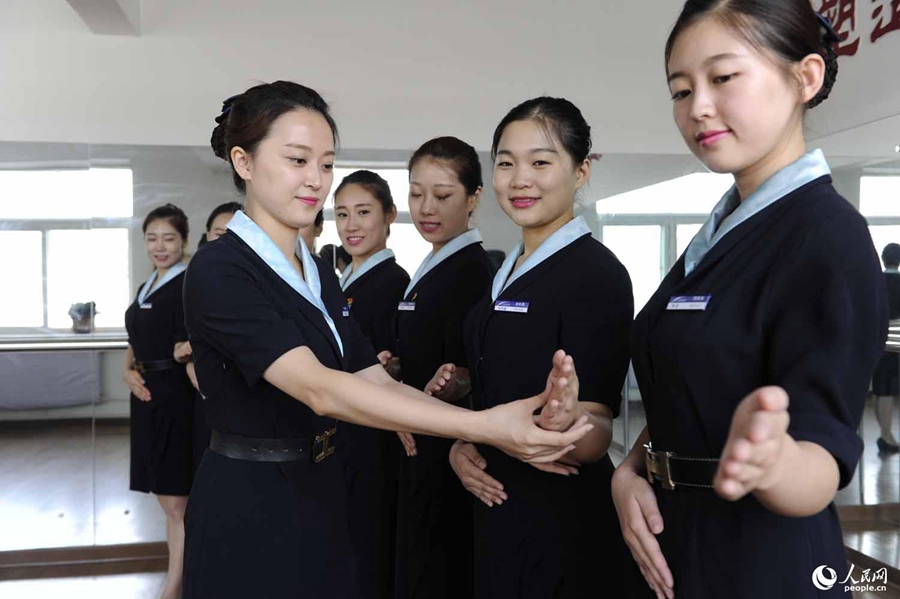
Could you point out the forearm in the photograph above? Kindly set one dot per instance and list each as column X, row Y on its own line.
column 129, row 360
column 804, row 483
column 596, row 443
column 636, row 459
column 380, row 404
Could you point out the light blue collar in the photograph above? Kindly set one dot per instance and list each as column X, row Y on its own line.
column 892, row 270
column 569, row 233
column 349, row 276
column 731, row 212
column 145, row 292
column 470, row 237
column 265, row 248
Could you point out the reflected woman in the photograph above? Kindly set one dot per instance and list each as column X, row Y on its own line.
column 162, row 441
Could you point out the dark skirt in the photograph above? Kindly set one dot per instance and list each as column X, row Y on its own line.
column 556, row 537
column 268, row 531
column 434, row 526
column 162, row 435
column 886, row 379
column 371, row 467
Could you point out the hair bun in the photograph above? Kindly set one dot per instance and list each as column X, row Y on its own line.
column 831, row 70
column 217, row 141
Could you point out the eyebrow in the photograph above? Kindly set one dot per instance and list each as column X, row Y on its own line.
column 435, row 185
column 308, row 149
column 706, row 63
column 532, row 151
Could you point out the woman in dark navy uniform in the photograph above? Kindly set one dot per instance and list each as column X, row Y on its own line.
column 275, row 350
column 162, row 403
column 216, row 225
column 373, row 284
column 434, row 517
column 754, row 356
column 556, row 536
column 886, row 379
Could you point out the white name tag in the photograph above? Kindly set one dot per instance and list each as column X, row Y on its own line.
column 407, row 306
column 345, row 311
column 689, row 302
column 146, row 306
column 520, row 307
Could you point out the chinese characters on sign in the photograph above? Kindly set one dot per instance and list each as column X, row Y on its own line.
column 885, row 19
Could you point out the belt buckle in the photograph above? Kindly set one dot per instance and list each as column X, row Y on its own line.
column 138, row 367
column 322, row 448
column 658, row 468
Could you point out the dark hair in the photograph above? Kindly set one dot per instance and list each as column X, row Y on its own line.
column 246, row 119
column 496, row 257
column 226, row 208
column 372, row 183
column 456, row 153
column 175, row 217
column 320, row 218
column 557, row 116
column 790, row 29
column 891, row 254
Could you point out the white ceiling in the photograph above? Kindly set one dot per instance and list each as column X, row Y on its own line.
column 395, row 71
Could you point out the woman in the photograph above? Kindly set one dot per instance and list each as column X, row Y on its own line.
column 557, row 536
column 162, row 407
column 434, row 517
column 755, row 354
column 217, row 221
column 280, row 359
column 373, row 284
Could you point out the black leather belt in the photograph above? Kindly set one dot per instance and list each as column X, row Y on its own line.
column 155, row 365
column 671, row 471
column 238, row 447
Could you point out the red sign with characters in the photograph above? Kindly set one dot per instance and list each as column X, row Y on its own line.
column 847, row 20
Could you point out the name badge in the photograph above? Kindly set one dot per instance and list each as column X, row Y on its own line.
column 689, row 302
column 345, row 311
column 146, row 306
column 520, row 307
column 407, row 306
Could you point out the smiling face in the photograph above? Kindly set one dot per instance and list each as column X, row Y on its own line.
column 735, row 106
column 289, row 175
column 438, row 202
column 361, row 222
column 164, row 244
column 535, row 179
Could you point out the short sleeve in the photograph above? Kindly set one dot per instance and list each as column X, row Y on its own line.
column 828, row 311
column 225, row 306
column 595, row 328
column 470, row 286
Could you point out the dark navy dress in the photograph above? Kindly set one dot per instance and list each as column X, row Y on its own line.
column 797, row 300
column 434, row 517
column 556, row 536
column 258, row 529
column 162, row 430
column 372, row 457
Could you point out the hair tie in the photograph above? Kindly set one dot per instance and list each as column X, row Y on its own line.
column 226, row 108
column 831, row 36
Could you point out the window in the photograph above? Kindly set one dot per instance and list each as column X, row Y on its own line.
column 405, row 240
column 879, row 196
column 68, row 230
column 692, row 194
column 683, row 236
column 638, row 248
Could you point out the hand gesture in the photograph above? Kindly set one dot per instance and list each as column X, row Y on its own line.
column 135, row 383
column 183, row 352
column 390, row 364
column 563, row 408
column 757, row 436
column 640, row 520
column 469, row 466
column 409, row 444
column 443, row 385
column 511, row 428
